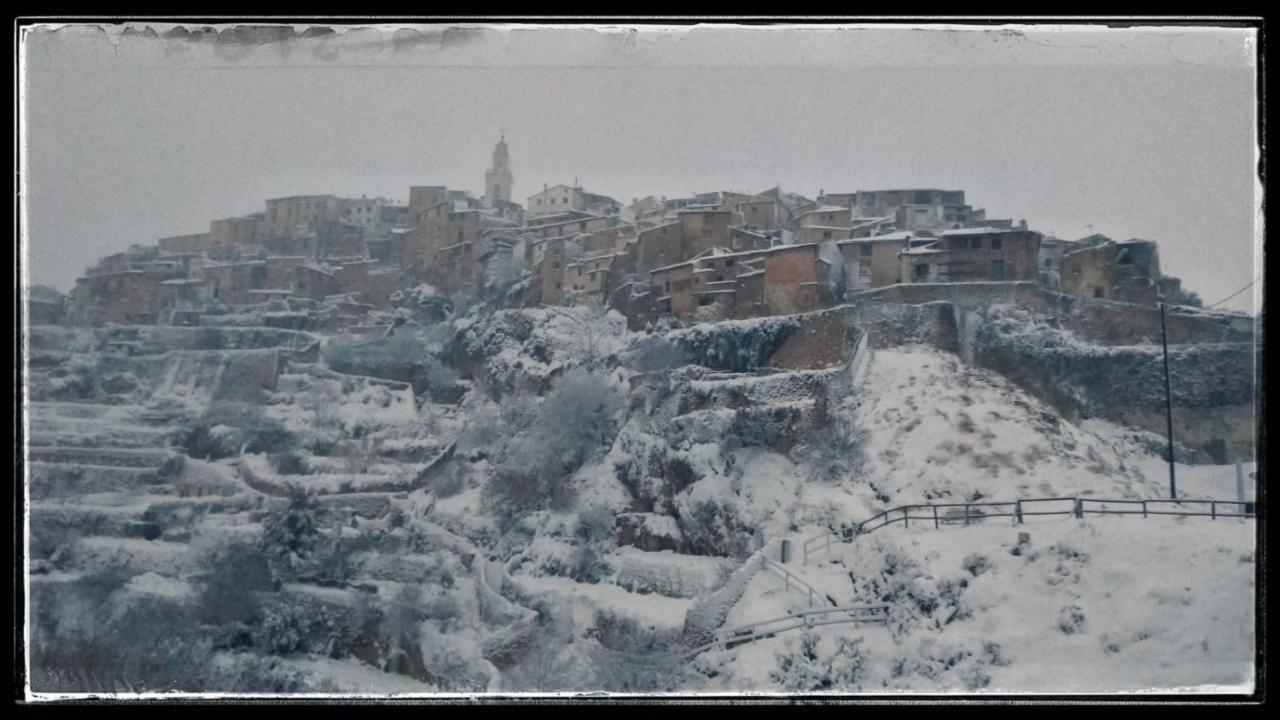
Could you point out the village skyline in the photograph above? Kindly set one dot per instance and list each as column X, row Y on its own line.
column 167, row 148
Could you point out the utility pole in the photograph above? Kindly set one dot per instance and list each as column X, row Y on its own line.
column 1168, row 404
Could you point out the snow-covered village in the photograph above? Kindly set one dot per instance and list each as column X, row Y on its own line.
column 525, row 435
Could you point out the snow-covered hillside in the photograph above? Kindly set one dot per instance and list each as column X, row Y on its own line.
column 1076, row 606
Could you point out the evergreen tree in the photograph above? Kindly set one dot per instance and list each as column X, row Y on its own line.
column 290, row 537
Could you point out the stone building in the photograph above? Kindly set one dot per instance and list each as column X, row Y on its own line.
column 973, row 255
column 1050, row 263
column 45, row 306
column 872, row 262
column 125, row 297
column 368, row 281
column 367, row 215
column 236, row 231
column 184, row 244
column 1126, row 271
column 301, row 215
column 560, row 198
column 694, row 232
column 718, row 284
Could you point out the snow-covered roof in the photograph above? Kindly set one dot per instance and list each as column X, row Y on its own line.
column 978, row 231
column 887, row 237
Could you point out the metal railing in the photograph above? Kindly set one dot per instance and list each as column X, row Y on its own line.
column 874, row 613
column 793, row 581
column 971, row 513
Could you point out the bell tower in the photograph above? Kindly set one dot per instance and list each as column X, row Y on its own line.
column 497, row 179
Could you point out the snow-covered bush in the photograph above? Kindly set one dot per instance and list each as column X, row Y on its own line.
column 1071, row 620
column 630, row 658
column 976, row 564
column 653, row 353
column 575, row 421
column 231, row 428
column 297, row 623
column 802, row 669
column 88, row 637
column 424, row 303
column 836, row 451
column 236, row 572
column 290, row 463
column 291, row 536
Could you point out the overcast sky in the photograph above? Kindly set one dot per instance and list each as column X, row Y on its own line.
column 1136, row 133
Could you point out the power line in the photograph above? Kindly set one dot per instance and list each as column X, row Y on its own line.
column 1246, row 287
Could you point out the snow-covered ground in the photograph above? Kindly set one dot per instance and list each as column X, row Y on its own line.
column 937, row 430
column 1097, row 605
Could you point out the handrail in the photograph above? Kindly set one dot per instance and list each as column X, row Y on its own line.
column 1078, row 509
column 788, row 577
column 874, row 613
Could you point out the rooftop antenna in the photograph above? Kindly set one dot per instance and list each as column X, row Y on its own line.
column 502, row 135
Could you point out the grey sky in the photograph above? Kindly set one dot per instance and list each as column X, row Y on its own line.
column 1144, row 133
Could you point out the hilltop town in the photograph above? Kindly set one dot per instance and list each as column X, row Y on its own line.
column 710, row 256
column 468, row 444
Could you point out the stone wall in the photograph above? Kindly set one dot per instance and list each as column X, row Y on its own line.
column 1104, row 322
column 1212, row 384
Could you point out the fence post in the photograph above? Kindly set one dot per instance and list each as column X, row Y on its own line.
column 1144, row 508
column 935, row 517
column 1017, row 511
column 1079, row 508
column 1213, row 511
column 906, row 516
column 966, row 514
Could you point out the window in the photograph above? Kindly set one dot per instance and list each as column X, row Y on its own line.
column 705, row 301
column 1099, row 292
column 666, row 286
column 997, row 270
column 865, row 250
column 922, row 272
column 1048, row 263
column 995, row 243
column 1125, row 258
column 826, row 234
column 728, row 263
column 582, row 226
column 976, row 243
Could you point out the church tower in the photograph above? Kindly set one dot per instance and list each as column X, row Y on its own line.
column 497, row 179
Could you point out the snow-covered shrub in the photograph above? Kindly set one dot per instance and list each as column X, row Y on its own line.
column 1071, row 620
column 424, row 303
column 595, row 525
column 629, row 658
column 236, row 572
column 290, row 463
column 836, row 450
column 574, row 422
column 81, row 642
column 802, row 669
column 297, row 623
column 230, row 428
column 976, row 564
column 653, row 353
column 549, row 665
column 291, row 536
column 714, row 528
column 444, row 609
column 588, row 566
